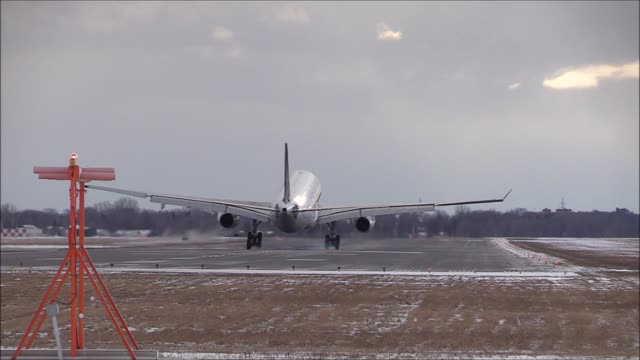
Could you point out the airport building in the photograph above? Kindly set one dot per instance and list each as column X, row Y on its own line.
column 22, row 231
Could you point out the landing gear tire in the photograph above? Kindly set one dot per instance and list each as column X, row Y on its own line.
column 332, row 242
column 254, row 240
column 249, row 240
column 331, row 239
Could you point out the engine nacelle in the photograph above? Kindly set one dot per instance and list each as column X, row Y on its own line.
column 365, row 223
column 227, row 220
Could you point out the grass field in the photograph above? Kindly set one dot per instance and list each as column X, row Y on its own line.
column 594, row 314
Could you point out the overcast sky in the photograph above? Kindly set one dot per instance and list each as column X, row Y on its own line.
column 384, row 102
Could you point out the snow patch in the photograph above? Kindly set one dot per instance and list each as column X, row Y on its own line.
column 390, row 274
column 44, row 247
column 619, row 247
column 386, row 356
column 153, row 330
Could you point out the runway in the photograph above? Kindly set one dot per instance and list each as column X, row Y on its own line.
column 356, row 254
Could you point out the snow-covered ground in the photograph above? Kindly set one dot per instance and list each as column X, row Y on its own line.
column 619, row 247
column 624, row 248
column 42, row 247
column 64, row 238
column 475, row 274
column 386, row 356
column 536, row 258
column 373, row 356
column 19, row 238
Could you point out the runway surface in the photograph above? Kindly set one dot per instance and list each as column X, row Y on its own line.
column 283, row 253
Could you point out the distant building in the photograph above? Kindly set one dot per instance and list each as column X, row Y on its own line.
column 32, row 230
column 18, row 232
column 54, row 231
column 546, row 210
column 22, row 231
column 103, row 232
column 64, row 231
column 133, row 233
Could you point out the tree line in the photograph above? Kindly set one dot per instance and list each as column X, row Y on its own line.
column 125, row 214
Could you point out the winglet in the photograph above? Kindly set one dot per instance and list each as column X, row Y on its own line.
column 505, row 197
column 287, row 191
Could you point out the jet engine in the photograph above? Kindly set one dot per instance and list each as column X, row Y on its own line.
column 365, row 223
column 228, row 220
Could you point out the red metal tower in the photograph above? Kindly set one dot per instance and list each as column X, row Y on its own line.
column 77, row 264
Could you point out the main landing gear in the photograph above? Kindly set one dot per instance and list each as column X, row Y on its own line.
column 254, row 238
column 332, row 240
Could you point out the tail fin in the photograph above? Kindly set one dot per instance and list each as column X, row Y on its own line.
column 287, row 193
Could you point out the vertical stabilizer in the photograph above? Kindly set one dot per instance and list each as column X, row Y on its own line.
column 287, row 193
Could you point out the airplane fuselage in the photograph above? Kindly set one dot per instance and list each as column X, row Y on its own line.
column 305, row 192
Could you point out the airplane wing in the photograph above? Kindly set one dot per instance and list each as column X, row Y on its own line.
column 251, row 210
column 329, row 214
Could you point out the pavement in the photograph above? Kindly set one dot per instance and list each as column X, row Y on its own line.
column 101, row 354
column 356, row 254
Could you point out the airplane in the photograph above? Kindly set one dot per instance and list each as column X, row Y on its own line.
column 295, row 208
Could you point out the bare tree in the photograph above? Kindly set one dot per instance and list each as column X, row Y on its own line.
column 8, row 215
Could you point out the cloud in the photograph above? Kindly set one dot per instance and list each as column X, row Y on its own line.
column 210, row 51
column 226, row 46
column 385, row 32
column 459, row 75
column 589, row 76
column 233, row 52
column 514, row 86
column 221, row 34
column 111, row 17
column 203, row 51
column 140, row 10
column 292, row 13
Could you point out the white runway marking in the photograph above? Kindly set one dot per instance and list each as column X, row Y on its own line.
column 306, row 259
column 387, row 252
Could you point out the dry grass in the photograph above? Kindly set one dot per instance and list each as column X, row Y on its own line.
column 348, row 314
